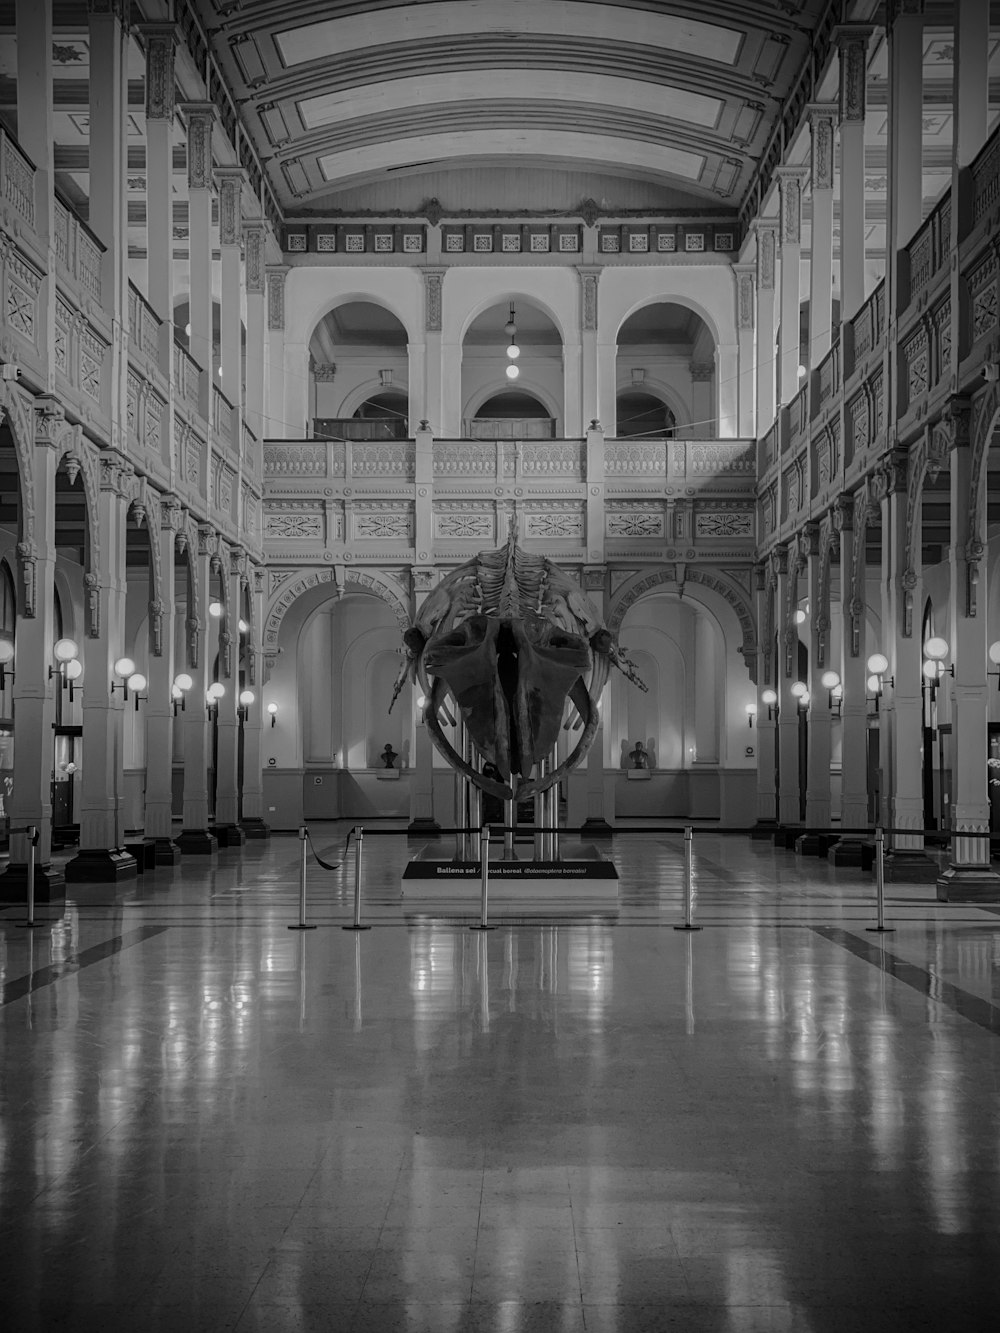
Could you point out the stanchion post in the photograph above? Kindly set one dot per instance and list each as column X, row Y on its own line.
column 688, row 876
column 32, row 833
column 484, row 860
column 302, row 883
column 359, row 840
column 881, row 928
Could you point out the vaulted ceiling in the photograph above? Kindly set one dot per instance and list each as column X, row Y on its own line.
column 672, row 103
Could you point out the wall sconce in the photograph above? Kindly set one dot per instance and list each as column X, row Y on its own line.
column 215, row 610
column 800, row 692
column 130, row 680
column 182, row 682
column 246, row 699
column 993, row 652
column 273, row 710
column 751, row 712
column 513, row 351
column 68, row 666
column 770, row 698
column 213, row 694
column 830, row 681
column 798, row 617
column 6, row 658
column 936, row 650
column 878, row 665
column 242, row 626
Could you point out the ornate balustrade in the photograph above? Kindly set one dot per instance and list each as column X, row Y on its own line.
column 187, row 377
column 929, row 251
column 143, row 324
column 985, row 174
column 356, row 428
column 17, row 180
column 501, row 428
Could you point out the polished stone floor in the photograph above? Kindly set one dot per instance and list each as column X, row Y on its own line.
column 584, row 1120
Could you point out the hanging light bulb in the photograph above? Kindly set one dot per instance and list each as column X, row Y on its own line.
column 513, row 351
column 512, row 371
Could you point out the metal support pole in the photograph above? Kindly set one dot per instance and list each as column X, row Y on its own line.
column 510, row 821
column 881, row 928
column 484, row 857
column 302, row 883
column 359, row 838
column 32, row 833
column 688, row 886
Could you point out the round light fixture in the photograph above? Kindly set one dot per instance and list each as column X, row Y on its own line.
column 878, row 663
column 799, row 617
column 874, row 685
column 136, row 682
column 6, row 651
column 247, row 697
column 768, row 697
column 829, row 680
column 513, row 351
column 272, row 709
column 183, row 681
column 64, row 650
column 800, row 688
column 73, row 669
column 936, row 647
column 124, row 666
column 512, row 371
column 216, row 690
column 215, row 609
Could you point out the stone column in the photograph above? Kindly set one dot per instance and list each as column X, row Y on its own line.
column 200, row 120
column 767, row 365
column 429, row 405
column 102, row 855
column 195, row 839
column 274, row 355
column 820, row 716
column 852, row 44
column 790, row 182
column 252, row 821
column 597, row 389
column 33, row 688
column 596, row 521
column 788, row 707
column 851, row 518
column 159, row 703
column 823, row 129
column 161, row 44
column 905, row 33
column 108, row 167
column 36, row 135
column 451, row 396
column 598, row 794
column 969, row 876
column 703, row 425
column 767, row 679
column 422, row 821
column 227, row 790
column 746, row 419
column 971, row 100
column 255, row 248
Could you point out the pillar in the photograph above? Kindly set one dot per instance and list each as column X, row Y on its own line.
column 422, row 820
column 820, row 715
column 252, row 819
column 597, row 368
column 200, row 120
column 767, row 365
column 227, row 726
column 905, row 122
column 255, row 248
column 767, row 795
column 230, row 185
column 852, row 45
column 850, row 517
column 703, row 422
column 969, row 876
column 429, row 406
column 159, row 704
column 822, row 126
column 194, row 837
column 971, row 100
column 274, row 356
column 36, row 135
column 745, row 415
column 598, row 794
column 161, row 42
column 33, row 690
column 790, row 182
column 102, row 855
column 788, row 708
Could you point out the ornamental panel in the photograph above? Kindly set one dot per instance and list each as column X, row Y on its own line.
column 563, row 460
column 458, row 519
column 293, row 520
column 646, row 458
column 382, row 519
column 548, row 519
column 719, row 456
column 295, row 460
column 383, row 460
column 724, row 523
column 639, row 518
column 465, row 460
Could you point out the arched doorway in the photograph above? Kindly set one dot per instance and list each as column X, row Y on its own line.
column 512, row 374
column 359, row 374
column 665, row 374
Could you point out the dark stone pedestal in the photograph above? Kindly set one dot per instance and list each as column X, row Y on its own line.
column 165, row 853
column 915, row 866
column 101, row 865
column 969, row 884
column 229, row 835
column 197, row 842
column 814, row 844
column 786, row 837
column 596, row 827
column 852, row 852
column 255, row 827
column 423, row 827
column 50, row 884
column 143, row 853
column 763, row 830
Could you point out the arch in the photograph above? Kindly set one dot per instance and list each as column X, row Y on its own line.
column 657, row 390
column 365, row 298
column 19, row 419
column 704, row 581
column 522, row 385
column 985, row 417
column 360, row 394
column 506, row 298
column 670, row 298
column 339, row 577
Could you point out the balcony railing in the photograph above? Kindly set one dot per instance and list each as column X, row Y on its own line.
column 357, row 428
column 17, row 179
column 78, row 250
column 143, row 324
column 986, row 179
column 502, row 428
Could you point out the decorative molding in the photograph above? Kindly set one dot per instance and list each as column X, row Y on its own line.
column 230, row 181
column 254, row 250
column 161, row 49
column 276, row 274
column 852, row 41
column 589, row 278
column 744, row 297
column 376, row 583
column 767, row 242
column 790, row 182
column 200, row 117
column 433, row 291
column 822, row 127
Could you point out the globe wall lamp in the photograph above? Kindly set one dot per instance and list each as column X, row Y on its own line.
column 246, row 699
column 751, row 711
column 800, row 692
column 182, row 683
column 6, row 660
column 273, row 711
column 213, row 694
column 830, row 681
column 513, row 351
column 215, row 610
column 936, row 650
column 878, row 665
column 68, row 666
column 770, row 699
column 993, row 652
column 129, row 679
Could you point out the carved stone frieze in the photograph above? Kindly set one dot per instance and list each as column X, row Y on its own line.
column 433, row 288
column 822, row 125
column 161, row 48
column 276, row 274
column 200, row 118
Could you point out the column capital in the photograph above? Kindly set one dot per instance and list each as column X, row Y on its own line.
column 767, row 243
column 115, row 9
column 230, row 182
column 200, row 117
column 852, row 42
column 276, row 275
column 433, row 292
column 790, row 183
column 161, row 48
column 823, row 118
